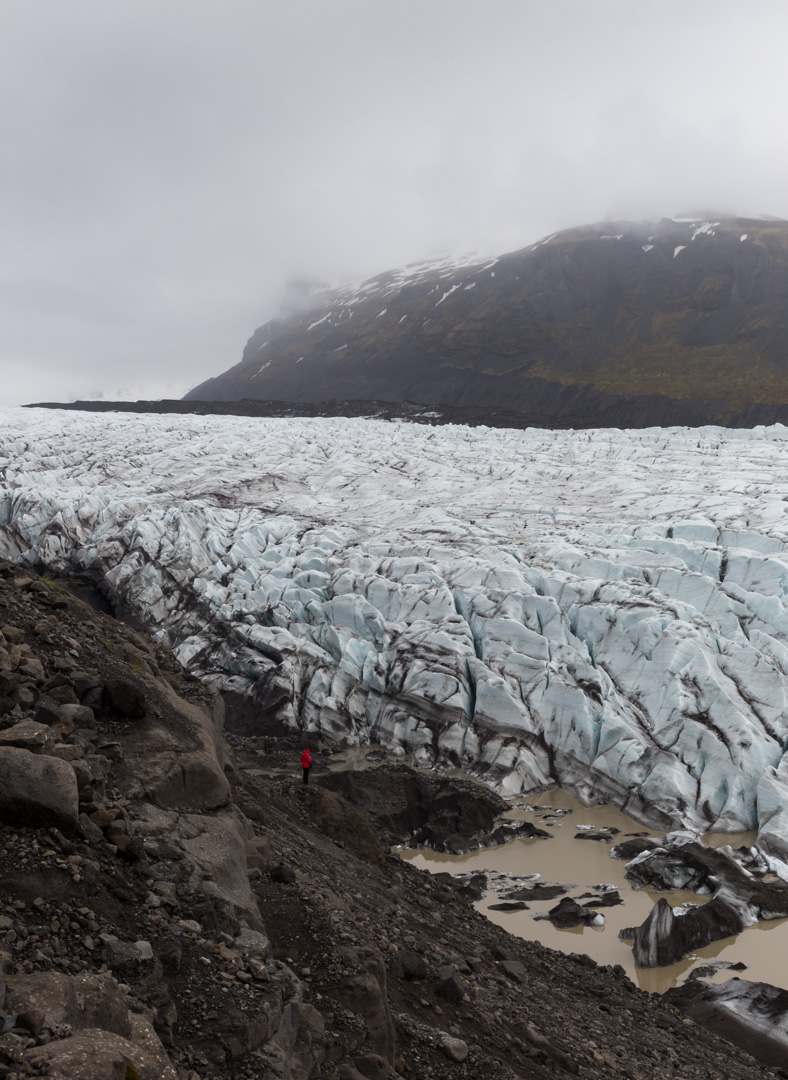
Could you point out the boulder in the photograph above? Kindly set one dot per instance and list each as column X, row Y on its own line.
column 50, row 991
column 37, row 790
column 176, row 760
column 309, row 1049
column 450, row 985
column 125, row 697
column 514, row 969
column 29, row 735
column 94, row 1054
column 454, row 1049
column 217, row 844
column 408, row 964
column 372, row 1066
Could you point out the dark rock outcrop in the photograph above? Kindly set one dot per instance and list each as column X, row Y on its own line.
column 443, row 813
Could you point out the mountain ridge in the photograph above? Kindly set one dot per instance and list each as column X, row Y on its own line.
column 659, row 322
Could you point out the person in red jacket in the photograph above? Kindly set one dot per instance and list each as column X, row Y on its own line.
column 306, row 764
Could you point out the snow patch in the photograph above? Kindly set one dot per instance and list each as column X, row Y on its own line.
column 707, row 227
column 449, row 292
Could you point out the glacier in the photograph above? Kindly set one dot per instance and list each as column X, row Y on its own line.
column 604, row 609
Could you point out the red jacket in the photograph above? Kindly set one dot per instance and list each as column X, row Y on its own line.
column 306, row 760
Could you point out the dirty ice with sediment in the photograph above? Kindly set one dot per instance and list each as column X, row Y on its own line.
column 604, row 610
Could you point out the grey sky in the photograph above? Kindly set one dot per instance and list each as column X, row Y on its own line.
column 167, row 165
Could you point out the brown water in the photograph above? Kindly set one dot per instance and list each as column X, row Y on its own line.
column 587, row 863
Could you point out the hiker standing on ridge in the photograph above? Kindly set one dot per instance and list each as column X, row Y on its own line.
column 306, row 764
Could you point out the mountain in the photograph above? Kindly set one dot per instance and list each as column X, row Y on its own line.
column 669, row 321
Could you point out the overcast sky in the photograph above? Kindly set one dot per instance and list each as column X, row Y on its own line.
column 167, row 165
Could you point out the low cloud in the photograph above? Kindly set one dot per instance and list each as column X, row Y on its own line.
column 174, row 170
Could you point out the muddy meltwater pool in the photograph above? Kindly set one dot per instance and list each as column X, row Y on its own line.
column 585, row 864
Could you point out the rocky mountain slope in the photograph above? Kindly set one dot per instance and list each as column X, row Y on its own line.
column 165, row 915
column 671, row 321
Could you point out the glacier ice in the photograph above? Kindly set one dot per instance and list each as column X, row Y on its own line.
column 600, row 609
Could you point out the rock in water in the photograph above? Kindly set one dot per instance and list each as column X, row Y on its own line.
column 568, row 913
column 665, row 937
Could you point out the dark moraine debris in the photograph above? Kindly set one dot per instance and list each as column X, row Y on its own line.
column 752, row 1015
